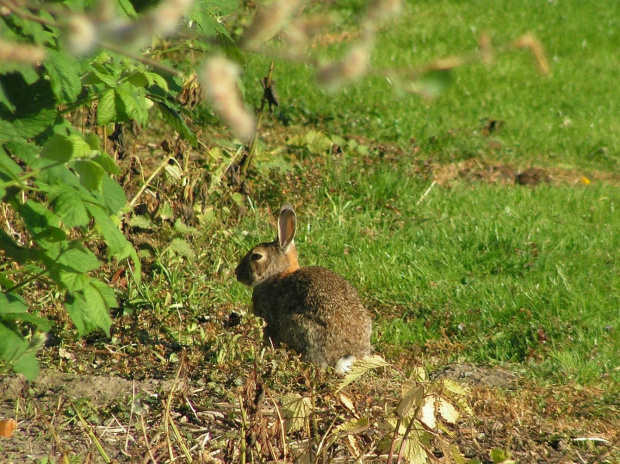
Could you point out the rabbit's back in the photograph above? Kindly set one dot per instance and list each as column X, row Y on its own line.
column 316, row 312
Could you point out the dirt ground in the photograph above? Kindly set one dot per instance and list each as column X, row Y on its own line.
column 63, row 414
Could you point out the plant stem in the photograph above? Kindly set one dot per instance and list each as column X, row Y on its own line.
column 252, row 151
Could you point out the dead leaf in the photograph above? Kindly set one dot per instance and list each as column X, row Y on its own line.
column 448, row 411
column 7, row 427
column 347, row 403
column 427, row 412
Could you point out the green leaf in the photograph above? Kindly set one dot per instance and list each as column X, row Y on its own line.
column 91, row 174
column 37, row 218
column 317, row 142
column 27, row 365
column 72, row 258
column 4, row 99
column 112, row 195
column 7, row 131
column 175, row 120
column 81, row 148
column 106, row 110
column 119, row 247
column 10, row 303
column 230, row 48
column 16, row 350
column 8, row 167
column 39, row 322
column 89, row 309
column 64, row 73
column 107, row 163
column 140, row 222
column 183, row 248
column 58, row 148
column 70, row 207
column 133, row 102
column 93, row 141
column 158, row 80
column 127, row 8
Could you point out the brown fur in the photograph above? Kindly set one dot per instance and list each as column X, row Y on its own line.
column 311, row 310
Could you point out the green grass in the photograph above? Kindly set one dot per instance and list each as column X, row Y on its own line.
column 499, row 269
column 569, row 118
column 514, row 274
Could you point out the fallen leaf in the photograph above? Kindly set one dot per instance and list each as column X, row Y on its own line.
column 7, row 427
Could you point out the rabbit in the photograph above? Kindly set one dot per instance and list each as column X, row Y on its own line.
column 310, row 310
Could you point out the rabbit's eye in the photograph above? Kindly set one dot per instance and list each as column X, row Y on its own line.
column 256, row 256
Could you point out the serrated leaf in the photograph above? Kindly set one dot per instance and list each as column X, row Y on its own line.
column 107, row 163
column 352, row 426
column 118, row 245
column 317, row 143
column 64, row 73
column 37, row 217
column 360, row 367
column 455, row 387
column 90, row 174
column 8, row 167
column 127, row 8
column 181, row 247
column 346, row 402
column 4, row 99
column 16, row 350
column 158, row 80
column 39, row 322
column 427, row 412
column 296, row 411
column 411, row 398
column 141, row 222
column 175, row 120
column 71, row 208
column 78, row 259
column 106, row 110
column 89, row 310
column 58, row 148
column 183, row 228
column 133, row 104
column 27, row 365
column 113, row 195
column 448, row 411
column 10, row 303
column 413, row 452
column 81, row 148
column 140, row 79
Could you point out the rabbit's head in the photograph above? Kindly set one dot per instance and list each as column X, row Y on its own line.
column 274, row 258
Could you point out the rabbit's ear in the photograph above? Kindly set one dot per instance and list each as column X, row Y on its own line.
column 286, row 225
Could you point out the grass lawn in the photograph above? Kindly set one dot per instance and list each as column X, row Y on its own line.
column 527, row 275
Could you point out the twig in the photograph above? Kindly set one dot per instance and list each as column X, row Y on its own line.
column 252, row 151
column 428, row 190
column 146, row 440
column 148, row 181
column 169, row 422
column 280, row 422
column 243, row 439
column 393, row 443
column 90, row 432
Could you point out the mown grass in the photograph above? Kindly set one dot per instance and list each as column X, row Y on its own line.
column 514, row 274
column 567, row 118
